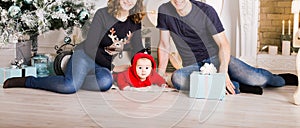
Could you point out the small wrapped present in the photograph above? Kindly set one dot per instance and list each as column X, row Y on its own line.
column 207, row 86
column 29, row 71
column 9, row 72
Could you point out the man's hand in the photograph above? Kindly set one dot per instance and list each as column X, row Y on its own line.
column 229, row 86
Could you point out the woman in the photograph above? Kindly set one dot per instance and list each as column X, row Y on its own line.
column 112, row 27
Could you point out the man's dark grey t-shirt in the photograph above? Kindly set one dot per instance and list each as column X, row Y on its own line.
column 192, row 34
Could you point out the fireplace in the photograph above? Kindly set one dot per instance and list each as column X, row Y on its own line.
column 296, row 43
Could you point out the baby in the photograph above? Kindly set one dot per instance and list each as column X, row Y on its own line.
column 141, row 73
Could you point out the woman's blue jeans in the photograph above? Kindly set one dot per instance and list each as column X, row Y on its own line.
column 239, row 72
column 81, row 72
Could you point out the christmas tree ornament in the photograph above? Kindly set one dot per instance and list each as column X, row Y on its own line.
column 60, row 10
column 14, row 11
column 67, row 40
column 83, row 15
column 28, row 2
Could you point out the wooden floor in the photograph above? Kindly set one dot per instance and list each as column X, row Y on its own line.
column 41, row 109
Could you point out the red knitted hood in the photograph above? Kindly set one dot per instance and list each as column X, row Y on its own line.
column 133, row 75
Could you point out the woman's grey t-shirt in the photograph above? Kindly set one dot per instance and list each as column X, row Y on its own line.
column 97, row 39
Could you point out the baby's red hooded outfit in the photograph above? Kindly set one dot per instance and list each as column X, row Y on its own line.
column 130, row 77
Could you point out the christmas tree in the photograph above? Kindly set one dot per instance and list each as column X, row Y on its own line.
column 34, row 17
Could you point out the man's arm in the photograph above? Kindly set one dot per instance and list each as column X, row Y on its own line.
column 163, row 51
column 224, row 51
column 224, row 58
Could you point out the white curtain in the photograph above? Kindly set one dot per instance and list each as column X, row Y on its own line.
column 240, row 20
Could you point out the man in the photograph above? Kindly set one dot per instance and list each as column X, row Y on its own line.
column 199, row 37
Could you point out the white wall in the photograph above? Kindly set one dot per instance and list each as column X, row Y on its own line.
column 230, row 19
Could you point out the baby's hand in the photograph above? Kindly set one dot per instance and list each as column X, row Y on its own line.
column 142, row 89
column 129, row 88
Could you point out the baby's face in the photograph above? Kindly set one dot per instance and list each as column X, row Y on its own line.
column 143, row 68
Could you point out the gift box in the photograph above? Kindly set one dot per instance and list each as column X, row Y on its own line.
column 29, row 71
column 210, row 86
column 6, row 73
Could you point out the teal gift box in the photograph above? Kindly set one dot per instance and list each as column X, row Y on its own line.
column 30, row 71
column 6, row 73
column 210, row 86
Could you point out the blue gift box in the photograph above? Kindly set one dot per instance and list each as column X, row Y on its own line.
column 207, row 86
column 6, row 73
column 30, row 71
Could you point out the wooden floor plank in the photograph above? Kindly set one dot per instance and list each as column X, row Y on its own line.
column 31, row 108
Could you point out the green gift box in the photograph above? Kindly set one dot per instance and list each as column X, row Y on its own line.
column 210, row 86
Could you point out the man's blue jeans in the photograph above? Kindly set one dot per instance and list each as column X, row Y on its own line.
column 239, row 72
column 81, row 72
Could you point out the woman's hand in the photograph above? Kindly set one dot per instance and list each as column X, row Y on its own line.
column 121, row 68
